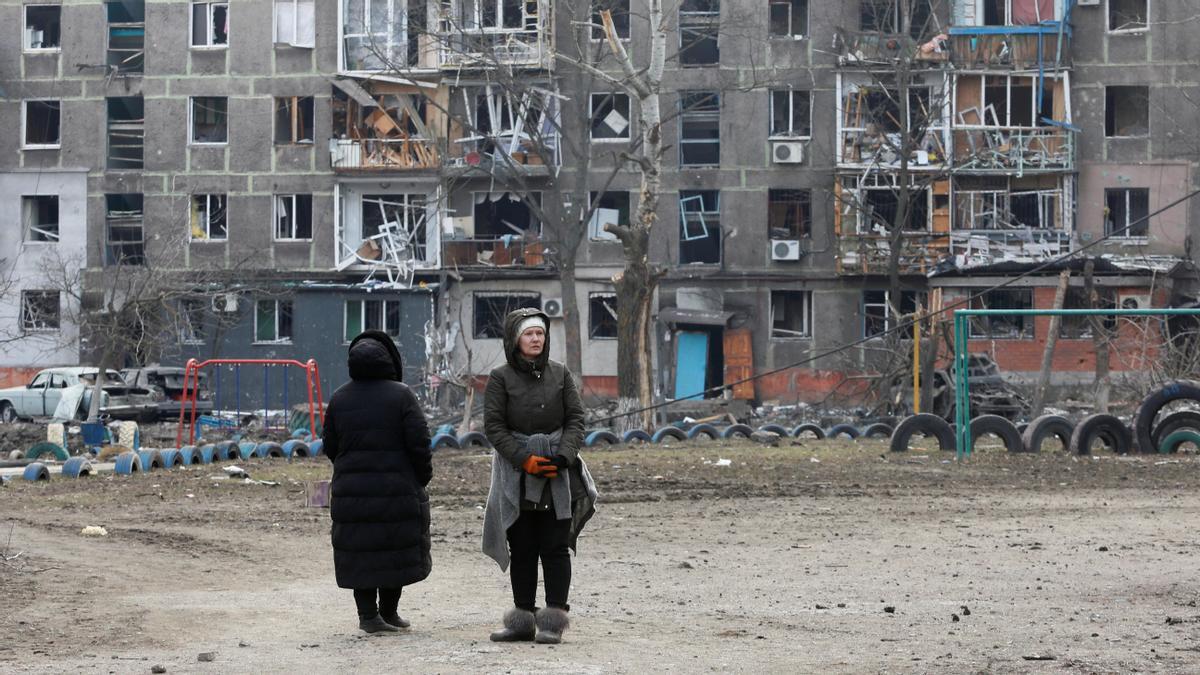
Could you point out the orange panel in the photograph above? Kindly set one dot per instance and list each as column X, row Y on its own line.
column 739, row 362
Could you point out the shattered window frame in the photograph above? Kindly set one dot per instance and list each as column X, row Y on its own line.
column 870, row 20
column 611, row 200
column 1080, row 327
column 1131, row 204
column 707, row 212
column 877, row 314
column 274, row 321
column 598, row 104
column 36, row 212
column 791, row 99
column 783, row 307
column 126, row 36
column 124, row 229
column 50, row 18
column 415, row 220
column 208, row 217
column 480, row 201
column 488, row 316
column 210, row 36
column 126, row 133
column 380, row 47
column 782, row 19
column 294, row 115
column 1002, row 327
column 294, row 23
column 190, row 321
column 359, row 314
column 700, row 112
column 1121, row 101
column 210, row 114
column 620, row 16
column 286, row 208
column 699, row 33
column 49, row 136
column 789, row 212
column 602, row 315
column 1113, row 13
column 41, row 311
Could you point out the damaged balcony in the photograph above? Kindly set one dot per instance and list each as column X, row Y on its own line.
column 392, row 233
column 1018, row 34
column 480, row 34
column 391, row 128
column 871, row 132
column 1015, row 122
column 386, row 35
column 502, row 232
column 494, row 128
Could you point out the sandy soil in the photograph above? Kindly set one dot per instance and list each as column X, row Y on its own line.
column 825, row 556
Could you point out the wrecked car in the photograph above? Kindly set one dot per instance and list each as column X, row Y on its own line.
column 168, row 382
column 65, row 393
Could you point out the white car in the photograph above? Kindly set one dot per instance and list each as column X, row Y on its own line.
column 41, row 396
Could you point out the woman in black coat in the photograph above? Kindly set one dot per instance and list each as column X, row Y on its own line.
column 378, row 440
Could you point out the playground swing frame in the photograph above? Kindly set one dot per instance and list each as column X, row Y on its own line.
column 191, row 377
column 962, row 317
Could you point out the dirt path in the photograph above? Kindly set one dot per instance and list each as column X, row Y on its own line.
column 776, row 564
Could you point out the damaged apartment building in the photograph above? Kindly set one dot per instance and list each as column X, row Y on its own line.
column 397, row 164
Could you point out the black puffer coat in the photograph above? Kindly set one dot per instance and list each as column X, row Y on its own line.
column 378, row 440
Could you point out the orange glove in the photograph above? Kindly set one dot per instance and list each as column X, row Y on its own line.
column 540, row 466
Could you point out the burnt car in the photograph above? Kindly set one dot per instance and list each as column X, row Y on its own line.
column 168, row 383
column 70, row 389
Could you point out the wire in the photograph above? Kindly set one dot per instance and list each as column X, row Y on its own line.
column 903, row 325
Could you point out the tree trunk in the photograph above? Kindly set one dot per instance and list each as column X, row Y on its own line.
column 465, row 425
column 1099, row 339
column 930, row 351
column 571, row 318
column 1060, row 297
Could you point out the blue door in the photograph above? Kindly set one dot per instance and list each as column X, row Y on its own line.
column 691, row 362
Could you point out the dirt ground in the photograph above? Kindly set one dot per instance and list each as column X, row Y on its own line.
column 819, row 556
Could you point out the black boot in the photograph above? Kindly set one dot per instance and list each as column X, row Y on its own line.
column 551, row 622
column 519, row 626
column 395, row 620
column 376, row 624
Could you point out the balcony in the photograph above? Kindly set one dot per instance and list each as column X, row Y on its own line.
column 490, row 48
column 927, row 252
column 983, row 149
column 502, row 253
column 867, row 48
column 1010, row 47
column 365, row 155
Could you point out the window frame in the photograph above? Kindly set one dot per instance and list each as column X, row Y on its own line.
column 276, row 304
column 25, row 144
column 595, row 231
column 209, row 33
column 1107, row 97
column 914, row 297
column 28, row 326
column 26, row 43
column 704, row 215
column 808, row 319
column 592, row 325
column 207, row 223
column 362, row 314
column 805, row 202
column 1128, row 235
column 1028, row 325
column 27, row 224
column 296, row 40
column 692, row 22
column 192, row 103
column 622, row 137
column 791, row 34
column 139, row 65
column 476, row 295
column 110, row 244
column 191, row 321
column 772, row 135
column 701, row 115
column 297, row 102
column 1125, row 31
column 294, row 197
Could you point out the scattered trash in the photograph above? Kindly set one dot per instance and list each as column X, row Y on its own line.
column 723, row 462
column 94, row 531
column 206, row 657
column 236, row 472
column 889, row 610
column 685, row 565
column 814, row 460
column 965, row 611
column 158, row 669
column 1040, row 657
column 954, row 618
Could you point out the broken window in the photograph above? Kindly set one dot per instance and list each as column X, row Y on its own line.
column 208, row 218
column 700, row 226
column 1002, row 327
column 126, row 35
column 191, row 320
column 700, row 128
column 295, row 22
column 880, row 209
column 788, row 18
column 1080, row 327
column 885, row 16
column 1017, row 12
column 123, row 229
column 491, row 15
column 602, row 315
column 40, row 311
column 126, row 132
column 1126, row 111
column 698, row 21
column 518, row 124
column 492, row 308
column 273, row 321
column 791, row 113
column 1126, row 211
column 396, row 225
column 610, row 207
column 210, row 24
column 505, row 214
column 210, row 120
column 39, row 214
column 620, row 18
column 382, row 315
column 1128, row 15
column 42, row 120
column 43, row 24
column 293, row 119
column 878, row 318
column 383, row 34
column 610, row 117
column 293, row 216
column 789, row 214
column 791, row 315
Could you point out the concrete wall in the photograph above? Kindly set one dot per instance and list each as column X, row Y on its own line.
column 1167, row 182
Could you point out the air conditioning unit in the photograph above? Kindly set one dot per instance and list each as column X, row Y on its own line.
column 1088, row 3
column 785, row 249
column 553, row 307
column 787, row 152
column 227, row 302
column 1135, row 301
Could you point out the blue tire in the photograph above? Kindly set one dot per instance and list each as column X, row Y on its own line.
column 443, row 441
column 77, row 467
column 840, row 429
column 601, row 436
column 269, row 449
column 47, row 448
column 226, row 451
column 737, row 430
column 127, row 464
column 301, row 434
column 171, row 459
column 813, row 429
column 246, row 449
column 668, row 432
column 189, row 455
column 151, row 459
column 317, row 446
column 204, row 454
column 296, row 448
column 774, row 429
column 636, row 435
column 706, row 429
column 36, row 472
column 474, row 438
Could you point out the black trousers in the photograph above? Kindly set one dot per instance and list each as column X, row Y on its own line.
column 537, row 534
column 389, row 601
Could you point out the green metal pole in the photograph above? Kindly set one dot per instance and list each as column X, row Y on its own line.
column 962, row 407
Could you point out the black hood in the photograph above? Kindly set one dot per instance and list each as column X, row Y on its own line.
column 510, row 340
column 374, row 356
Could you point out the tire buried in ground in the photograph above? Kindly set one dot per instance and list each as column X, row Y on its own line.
column 1143, row 420
column 774, row 429
column 443, row 441
column 1001, row 427
column 599, row 436
column 127, row 464
column 1172, row 442
column 77, row 467
column 1176, row 421
column 668, row 432
column 878, row 430
column 226, row 451
column 296, row 448
column 924, row 424
column 736, row 430
column 636, row 435
column 839, row 429
column 1042, row 428
column 36, row 472
column 1103, row 426
column 705, row 429
column 474, row 439
column 54, row 450
column 817, row 432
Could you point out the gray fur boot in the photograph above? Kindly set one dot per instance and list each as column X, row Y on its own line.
column 551, row 622
column 518, row 626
